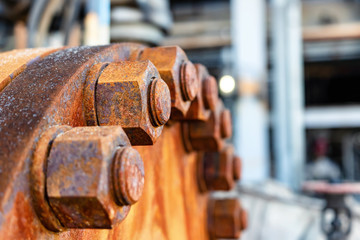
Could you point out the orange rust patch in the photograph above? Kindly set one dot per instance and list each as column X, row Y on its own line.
column 14, row 62
column 19, row 221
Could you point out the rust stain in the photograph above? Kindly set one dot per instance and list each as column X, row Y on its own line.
column 19, row 221
column 14, row 62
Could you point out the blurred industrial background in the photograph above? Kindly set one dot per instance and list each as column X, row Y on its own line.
column 289, row 71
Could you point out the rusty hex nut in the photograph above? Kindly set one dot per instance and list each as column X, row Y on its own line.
column 198, row 111
column 224, row 218
column 217, row 170
column 206, row 135
column 80, row 181
column 178, row 73
column 132, row 95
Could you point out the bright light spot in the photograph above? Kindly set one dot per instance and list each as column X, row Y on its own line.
column 227, row 84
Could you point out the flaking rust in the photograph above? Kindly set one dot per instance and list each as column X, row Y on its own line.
column 70, row 116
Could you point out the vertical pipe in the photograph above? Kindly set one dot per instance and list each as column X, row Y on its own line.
column 287, row 97
column 249, row 45
column 97, row 22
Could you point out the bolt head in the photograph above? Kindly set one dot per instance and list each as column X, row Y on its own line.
column 128, row 175
column 160, row 102
column 189, row 80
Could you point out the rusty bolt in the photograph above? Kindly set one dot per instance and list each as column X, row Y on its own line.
column 128, row 175
column 208, row 135
column 206, row 98
column 132, row 95
column 178, row 73
column 189, row 81
column 210, row 92
column 217, row 169
column 226, row 124
column 81, row 184
column 237, row 167
column 160, row 109
column 224, row 218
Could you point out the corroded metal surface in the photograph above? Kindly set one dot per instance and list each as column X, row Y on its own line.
column 14, row 62
column 87, row 177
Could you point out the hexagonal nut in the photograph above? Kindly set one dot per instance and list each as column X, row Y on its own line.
column 224, row 218
column 178, row 73
column 218, row 169
column 79, row 174
column 206, row 136
column 132, row 95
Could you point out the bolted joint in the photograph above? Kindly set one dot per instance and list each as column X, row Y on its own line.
column 81, row 187
column 132, row 95
column 128, row 176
